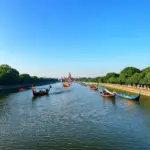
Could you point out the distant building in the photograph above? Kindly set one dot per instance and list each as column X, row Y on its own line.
column 69, row 77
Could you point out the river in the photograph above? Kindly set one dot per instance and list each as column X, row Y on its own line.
column 73, row 118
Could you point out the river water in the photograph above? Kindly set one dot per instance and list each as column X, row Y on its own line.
column 73, row 118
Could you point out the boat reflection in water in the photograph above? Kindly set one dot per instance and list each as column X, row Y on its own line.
column 109, row 99
column 75, row 114
column 34, row 98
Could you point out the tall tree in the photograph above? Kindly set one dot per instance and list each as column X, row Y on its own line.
column 129, row 71
column 8, row 75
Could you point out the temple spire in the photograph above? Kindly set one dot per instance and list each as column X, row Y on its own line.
column 69, row 76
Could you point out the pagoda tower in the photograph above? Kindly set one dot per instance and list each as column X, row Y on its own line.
column 69, row 76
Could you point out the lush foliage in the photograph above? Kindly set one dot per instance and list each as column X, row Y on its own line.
column 10, row 76
column 129, row 75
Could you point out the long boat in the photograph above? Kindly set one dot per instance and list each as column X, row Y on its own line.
column 83, row 84
column 131, row 97
column 93, row 87
column 41, row 91
column 107, row 93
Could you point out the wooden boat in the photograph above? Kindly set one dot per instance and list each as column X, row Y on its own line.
column 106, row 93
column 21, row 89
column 41, row 92
column 131, row 97
column 83, row 84
column 66, row 84
column 93, row 87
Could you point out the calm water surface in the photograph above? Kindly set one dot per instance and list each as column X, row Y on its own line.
column 73, row 118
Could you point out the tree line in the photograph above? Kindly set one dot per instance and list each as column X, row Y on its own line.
column 129, row 75
column 10, row 76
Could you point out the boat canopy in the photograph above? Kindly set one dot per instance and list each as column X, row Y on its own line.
column 108, row 91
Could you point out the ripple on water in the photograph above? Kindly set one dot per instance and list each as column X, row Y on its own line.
column 73, row 118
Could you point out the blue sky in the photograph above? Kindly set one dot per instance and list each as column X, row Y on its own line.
column 85, row 37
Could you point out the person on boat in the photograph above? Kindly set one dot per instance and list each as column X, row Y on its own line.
column 41, row 92
column 105, row 93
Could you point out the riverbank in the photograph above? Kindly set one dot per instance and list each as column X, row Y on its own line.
column 9, row 87
column 125, row 88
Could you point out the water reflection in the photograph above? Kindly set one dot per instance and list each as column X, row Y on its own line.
column 3, row 99
column 73, row 118
column 109, row 99
column 60, row 92
column 40, row 97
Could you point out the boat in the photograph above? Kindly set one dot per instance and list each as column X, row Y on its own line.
column 93, row 87
column 66, row 84
column 41, row 91
column 107, row 93
column 130, row 97
column 83, row 84
column 67, row 81
column 21, row 89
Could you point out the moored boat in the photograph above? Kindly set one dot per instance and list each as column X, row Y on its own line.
column 93, row 87
column 106, row 93
column 130, row 97
column 83, row 84
column 40, row 91
column 21, row 89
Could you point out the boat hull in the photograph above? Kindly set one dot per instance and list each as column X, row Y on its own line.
column 105, row 95
column 136, row 97
column 66, row 84
column 93, row 88
column 40, row 94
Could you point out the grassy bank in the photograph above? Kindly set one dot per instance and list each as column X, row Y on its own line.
column 123, row 88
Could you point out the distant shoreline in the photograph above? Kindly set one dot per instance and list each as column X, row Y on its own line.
column 9, row 87
column 144, row 92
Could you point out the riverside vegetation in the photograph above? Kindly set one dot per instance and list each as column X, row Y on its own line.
column 129, row 75
column 10, row 76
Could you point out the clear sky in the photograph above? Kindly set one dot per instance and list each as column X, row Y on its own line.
column 85, row 37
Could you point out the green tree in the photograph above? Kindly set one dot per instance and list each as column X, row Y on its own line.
column 129, row 71
column 146, row 70
column 146, row 79
column 111, row 77
column 141, row 77
column 113, row 80
column 134, row 79
column 25, row 79
column 8, row 75
column 111, row 74
column 126, row 73
column 122, row 79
